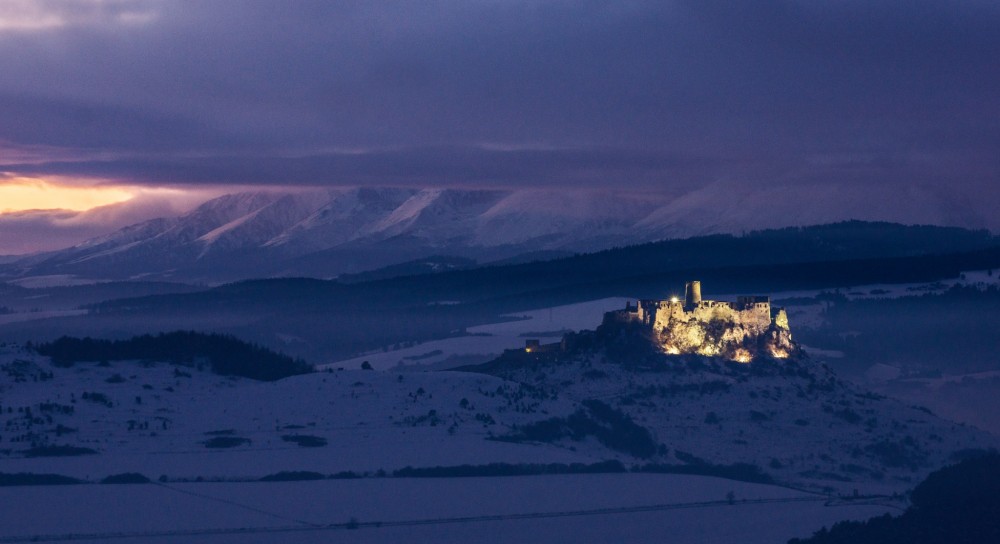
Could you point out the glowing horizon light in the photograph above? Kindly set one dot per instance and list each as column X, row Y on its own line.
column 34, row 16
column 674, row 300
column 21, row 194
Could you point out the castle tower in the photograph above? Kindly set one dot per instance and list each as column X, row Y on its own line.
column 692, row 293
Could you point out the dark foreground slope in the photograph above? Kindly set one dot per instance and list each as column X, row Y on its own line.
column 958, row 504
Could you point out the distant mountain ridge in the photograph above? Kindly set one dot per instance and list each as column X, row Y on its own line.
column 326, row 233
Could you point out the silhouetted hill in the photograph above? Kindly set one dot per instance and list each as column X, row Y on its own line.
column 847, row 241
column 958, row 504
column 71, row 296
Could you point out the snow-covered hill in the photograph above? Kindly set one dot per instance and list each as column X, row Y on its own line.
column 794, row 421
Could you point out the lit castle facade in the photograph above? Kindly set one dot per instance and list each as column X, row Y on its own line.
column 738, row 330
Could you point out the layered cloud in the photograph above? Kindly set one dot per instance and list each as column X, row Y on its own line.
column 664, row 95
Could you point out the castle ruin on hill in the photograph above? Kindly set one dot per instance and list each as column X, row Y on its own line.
column 739, row 330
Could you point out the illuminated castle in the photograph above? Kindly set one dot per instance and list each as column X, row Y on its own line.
column 738, row 330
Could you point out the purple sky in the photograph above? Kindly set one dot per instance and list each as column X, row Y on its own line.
column 641, row 94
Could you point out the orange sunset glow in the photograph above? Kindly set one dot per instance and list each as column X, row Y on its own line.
column 19, row 194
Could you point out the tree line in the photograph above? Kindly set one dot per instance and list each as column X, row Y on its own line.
column 225, row 355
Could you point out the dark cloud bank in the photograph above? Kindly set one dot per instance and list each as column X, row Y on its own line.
column 651, row 95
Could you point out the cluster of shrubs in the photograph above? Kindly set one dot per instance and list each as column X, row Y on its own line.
column 220, row 442
column 305, row 440
column 226, row 355
column 28, row 478
column 612, row 428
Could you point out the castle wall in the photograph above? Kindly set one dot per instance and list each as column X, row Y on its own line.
column 692, row 325
column 711, row 310
column 781, row 319
column 662, row 314
column 667, row 314
column 757, row 318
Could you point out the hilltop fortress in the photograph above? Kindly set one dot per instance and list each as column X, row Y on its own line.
column 738, row 330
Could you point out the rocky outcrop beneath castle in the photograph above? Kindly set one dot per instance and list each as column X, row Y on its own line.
column 731, row 339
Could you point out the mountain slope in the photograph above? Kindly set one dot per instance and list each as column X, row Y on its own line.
column 158, row 245
column 326, row 233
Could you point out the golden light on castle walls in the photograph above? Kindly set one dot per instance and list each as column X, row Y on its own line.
column 708, row 350
column 18, row 194
column 742, row 356
column 779, row 353
column 739, row 331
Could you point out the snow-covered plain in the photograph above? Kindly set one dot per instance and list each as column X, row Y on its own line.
column 552, row 509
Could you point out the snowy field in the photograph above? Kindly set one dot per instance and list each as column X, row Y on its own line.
column 552, row 509
column 155, row 419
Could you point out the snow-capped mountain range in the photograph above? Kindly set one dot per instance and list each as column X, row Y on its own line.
column 325, row 233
